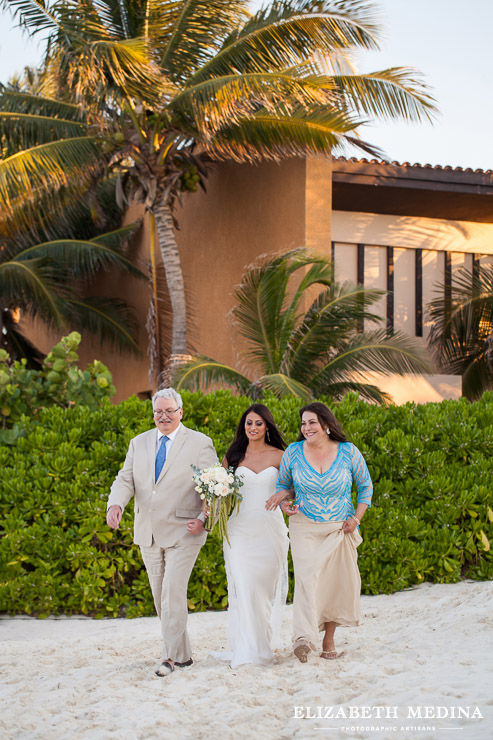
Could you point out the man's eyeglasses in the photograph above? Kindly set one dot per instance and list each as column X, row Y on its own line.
column 166, row 412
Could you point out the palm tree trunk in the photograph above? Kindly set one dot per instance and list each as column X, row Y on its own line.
column 176, row 288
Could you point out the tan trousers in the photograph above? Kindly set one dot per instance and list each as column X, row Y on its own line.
column 168, row 570
column 327, row 582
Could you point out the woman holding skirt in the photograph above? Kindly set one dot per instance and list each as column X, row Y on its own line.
column 321, row 467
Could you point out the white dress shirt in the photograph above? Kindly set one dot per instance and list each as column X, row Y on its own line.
column 169, row 442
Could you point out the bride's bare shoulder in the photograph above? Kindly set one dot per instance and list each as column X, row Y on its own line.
column 277, row 457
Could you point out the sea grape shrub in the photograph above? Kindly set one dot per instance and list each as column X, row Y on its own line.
column 431, row 518
column 24, row 391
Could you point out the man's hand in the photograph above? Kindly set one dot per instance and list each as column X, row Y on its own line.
column 114, row 517
column 195, row 526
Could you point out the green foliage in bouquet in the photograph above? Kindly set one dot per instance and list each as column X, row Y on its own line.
column 431, row 519
column 220, row 489
column 25, row 391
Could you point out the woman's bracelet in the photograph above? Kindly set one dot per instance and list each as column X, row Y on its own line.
column 358, row 521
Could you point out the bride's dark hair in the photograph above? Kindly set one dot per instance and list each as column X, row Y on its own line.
column 273, row 437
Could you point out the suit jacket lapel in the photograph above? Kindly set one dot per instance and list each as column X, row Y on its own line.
column 178, row 443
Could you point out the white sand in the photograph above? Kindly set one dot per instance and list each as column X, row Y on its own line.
column 85, row 678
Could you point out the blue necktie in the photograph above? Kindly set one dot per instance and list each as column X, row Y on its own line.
column 160, row 457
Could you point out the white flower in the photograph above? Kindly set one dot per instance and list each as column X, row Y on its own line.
column 202, row 496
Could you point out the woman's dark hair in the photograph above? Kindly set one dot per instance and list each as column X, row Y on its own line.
column 273, row 436
column 326, row 418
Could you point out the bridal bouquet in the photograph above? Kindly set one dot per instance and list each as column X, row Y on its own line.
column 220, row 487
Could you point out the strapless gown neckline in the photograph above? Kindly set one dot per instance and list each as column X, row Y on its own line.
column 245, row 467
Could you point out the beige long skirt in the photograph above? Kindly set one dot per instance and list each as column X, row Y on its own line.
column 327, row 580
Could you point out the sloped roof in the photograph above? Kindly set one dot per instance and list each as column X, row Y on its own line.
column 371, row 185
column 436, row 167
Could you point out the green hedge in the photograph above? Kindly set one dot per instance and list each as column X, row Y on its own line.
column 432, row 466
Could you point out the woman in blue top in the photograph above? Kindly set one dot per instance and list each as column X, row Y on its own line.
column 321, row 467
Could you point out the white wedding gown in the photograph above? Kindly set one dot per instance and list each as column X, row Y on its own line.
column 256, row 567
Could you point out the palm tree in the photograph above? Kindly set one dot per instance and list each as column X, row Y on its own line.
column 461, row 335
column 42, row 267
column 177, row 82
column 309, row 354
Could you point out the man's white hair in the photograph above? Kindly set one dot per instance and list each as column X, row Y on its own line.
column 168, row 393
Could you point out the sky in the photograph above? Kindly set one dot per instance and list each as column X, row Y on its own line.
column 449, row 41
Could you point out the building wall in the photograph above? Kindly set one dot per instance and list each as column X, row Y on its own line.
column 401, row 241
column 247, row 211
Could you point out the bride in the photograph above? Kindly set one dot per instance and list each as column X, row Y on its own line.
column 256, row 561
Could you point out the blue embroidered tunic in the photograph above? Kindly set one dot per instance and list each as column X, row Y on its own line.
column 326, row 497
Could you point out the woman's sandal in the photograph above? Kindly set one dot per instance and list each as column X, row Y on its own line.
column 330, row 654
column 301, row 650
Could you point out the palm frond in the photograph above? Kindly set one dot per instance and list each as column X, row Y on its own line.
column 372, row 352
column 109, row 320
column 82, row 209
column 277, row 136
column 258, row 312
column 366, row 391
column 47, row 165
column 84, row 257
column 282, row 386
column 29, row 285
column 228, row 99
column 468, row 312
column 284, row 34
column 19, row 346
column 203, row 372
column 114, row 17
column 477, row 378
column 120, row 67
column 388, row 94
column 317, row 271
column 333, row 315
column 320, row 272
column 22, row 131
column 33, row 15
column 199, row 26
column 37, row 105
column 468, row 289
column 461, row 334
column 118, row 237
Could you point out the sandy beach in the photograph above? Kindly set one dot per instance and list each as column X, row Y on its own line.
column 426, row 647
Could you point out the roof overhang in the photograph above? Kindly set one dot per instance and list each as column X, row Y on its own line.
column 412, row 190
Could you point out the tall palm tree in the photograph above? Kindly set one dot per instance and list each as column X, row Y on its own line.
column 179, row 81
column 309, row 354
column 461, row 335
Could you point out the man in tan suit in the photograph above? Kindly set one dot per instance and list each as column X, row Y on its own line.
column 168, row 515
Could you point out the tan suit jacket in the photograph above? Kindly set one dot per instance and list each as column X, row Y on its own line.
column 163, row 507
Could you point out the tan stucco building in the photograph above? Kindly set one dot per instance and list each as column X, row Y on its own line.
column 399, row 227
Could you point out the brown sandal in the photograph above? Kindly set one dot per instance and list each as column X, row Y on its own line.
column 302, row 650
